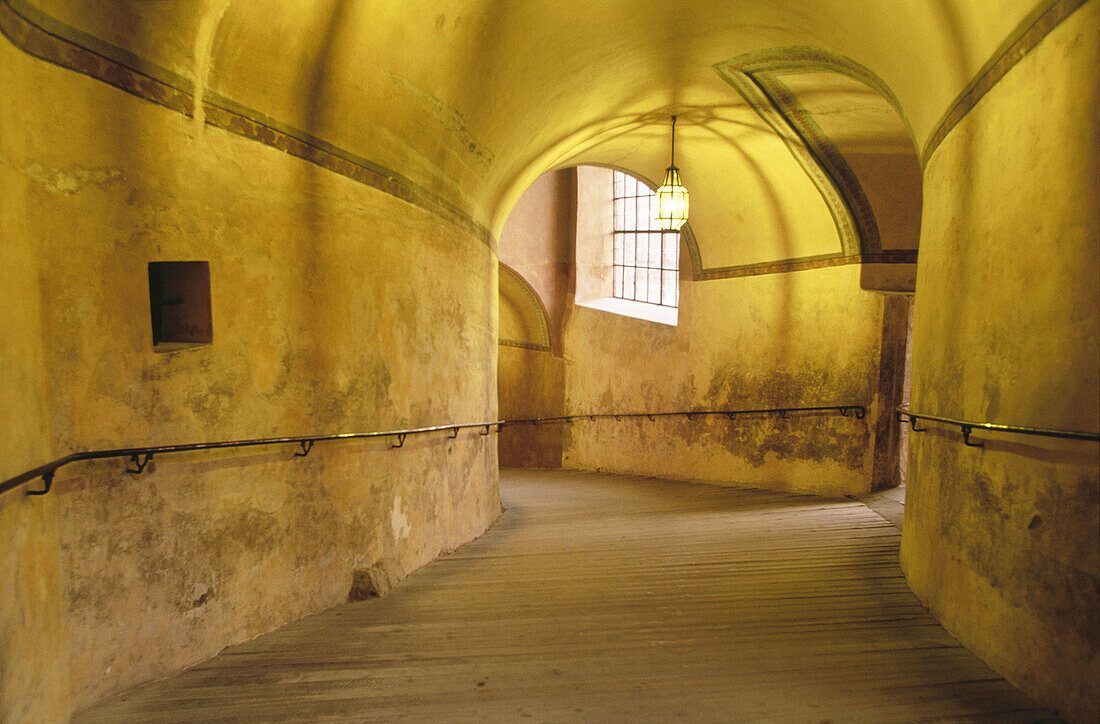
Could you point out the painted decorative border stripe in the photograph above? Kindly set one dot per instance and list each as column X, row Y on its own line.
column 755, row 77
column 831, row 160
column 1038, row 24
column 795, row 59
column 39, row 43
column 1027, row 35
column 772, row 112
column 692, row 247
column 515, row 281
column 523, row 345
column 50, row 40
column 904, row 256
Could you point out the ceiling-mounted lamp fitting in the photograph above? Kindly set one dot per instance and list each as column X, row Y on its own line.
column 672, row 197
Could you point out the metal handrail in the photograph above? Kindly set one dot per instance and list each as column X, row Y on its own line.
column 968, row 426
column 859, row 411
column 141, row 456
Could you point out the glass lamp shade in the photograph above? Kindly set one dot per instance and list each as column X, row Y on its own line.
column 672, row 201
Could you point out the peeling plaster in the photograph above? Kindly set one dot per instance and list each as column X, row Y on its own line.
column 70, row 179
column 399, row 521
column 204, row 44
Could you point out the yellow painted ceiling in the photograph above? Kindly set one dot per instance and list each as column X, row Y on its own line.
column 473, row 99
column 873, row 140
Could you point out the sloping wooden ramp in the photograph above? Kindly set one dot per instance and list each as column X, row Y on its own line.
column 612, row 598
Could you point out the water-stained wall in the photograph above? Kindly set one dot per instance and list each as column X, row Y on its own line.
column 336, row 307
column 1001, row 541
column 802, row 339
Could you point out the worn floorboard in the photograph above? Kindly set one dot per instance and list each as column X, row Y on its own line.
column 612, row 598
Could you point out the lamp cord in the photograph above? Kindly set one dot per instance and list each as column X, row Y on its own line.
column 672, row 158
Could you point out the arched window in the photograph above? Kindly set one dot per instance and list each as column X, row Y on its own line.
column 626, row 264
column 646, row 262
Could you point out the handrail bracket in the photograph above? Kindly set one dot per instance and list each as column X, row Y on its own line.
column 47, row 481
column 140, row 463
column 966, row 430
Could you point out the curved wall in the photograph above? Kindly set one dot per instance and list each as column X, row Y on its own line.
column 360, row 293
column 336, row 307
column 1001, row 542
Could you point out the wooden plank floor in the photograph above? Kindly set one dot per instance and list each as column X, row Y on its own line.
column 612, row 598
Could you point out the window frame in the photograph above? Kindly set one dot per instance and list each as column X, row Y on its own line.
column 636, row 239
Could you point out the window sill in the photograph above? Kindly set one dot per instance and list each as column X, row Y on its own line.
column 178, row 346
column 638, row 310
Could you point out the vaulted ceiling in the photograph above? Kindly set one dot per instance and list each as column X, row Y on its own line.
column 791, row 112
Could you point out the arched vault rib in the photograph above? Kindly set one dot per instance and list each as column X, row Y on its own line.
column 527, row 304
column 853, row 208
column 756, row 77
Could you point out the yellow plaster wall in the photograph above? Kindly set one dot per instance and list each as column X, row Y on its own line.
column 595, row 225
column 780, row 340
column 34, row 676
column 517, row 322
column 537, row 242
column 807, row 338
column 531, row 385
column 1001, row 542
column 34, row 659
column 336, row 308
column 892, row 182
column 470, row 101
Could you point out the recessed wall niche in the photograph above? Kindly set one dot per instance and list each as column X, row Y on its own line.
column 179, row 304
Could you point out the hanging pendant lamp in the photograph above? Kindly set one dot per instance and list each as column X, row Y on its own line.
column 672, row 197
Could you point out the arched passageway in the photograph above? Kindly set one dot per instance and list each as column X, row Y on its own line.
column 344, row 169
